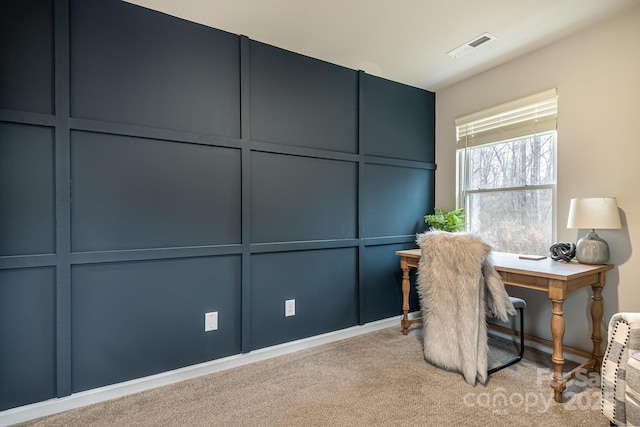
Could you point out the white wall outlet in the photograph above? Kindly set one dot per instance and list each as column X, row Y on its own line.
column 211, row 321
column 290, row 307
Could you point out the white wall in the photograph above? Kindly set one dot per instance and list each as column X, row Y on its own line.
column 597, row 75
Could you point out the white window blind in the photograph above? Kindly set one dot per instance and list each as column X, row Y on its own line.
column 526, row 116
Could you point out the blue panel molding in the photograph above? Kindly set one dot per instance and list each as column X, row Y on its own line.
column 211, row 173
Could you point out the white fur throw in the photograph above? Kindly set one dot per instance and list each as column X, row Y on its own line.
column 457, row 283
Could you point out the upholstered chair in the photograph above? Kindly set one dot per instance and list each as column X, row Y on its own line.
column 620, row 373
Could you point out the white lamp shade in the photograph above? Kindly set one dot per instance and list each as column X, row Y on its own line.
column 594, row 212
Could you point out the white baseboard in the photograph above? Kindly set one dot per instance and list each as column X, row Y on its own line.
column 101, row 394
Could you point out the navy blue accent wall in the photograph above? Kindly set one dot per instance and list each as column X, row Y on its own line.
column 138, row 318
column 28, row 333
column 153, row 169
column 134, row 193
column 323, row 283
column 26, row 56
column 301, row 101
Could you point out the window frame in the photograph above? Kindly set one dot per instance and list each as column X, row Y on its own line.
column 463, row 190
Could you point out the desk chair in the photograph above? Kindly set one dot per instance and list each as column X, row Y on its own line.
column 519, row 304
column 457, row 285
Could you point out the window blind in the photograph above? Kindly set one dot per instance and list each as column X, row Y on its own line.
column 526, row 116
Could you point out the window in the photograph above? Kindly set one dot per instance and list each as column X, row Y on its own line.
column 506, row 161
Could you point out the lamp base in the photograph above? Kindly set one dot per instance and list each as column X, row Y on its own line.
column 591, row 249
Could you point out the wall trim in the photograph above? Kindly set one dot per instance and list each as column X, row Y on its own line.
column 102, row 394
column 113, row 391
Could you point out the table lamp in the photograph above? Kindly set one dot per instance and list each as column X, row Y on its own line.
column 591, row 213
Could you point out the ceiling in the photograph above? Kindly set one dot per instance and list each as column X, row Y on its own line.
column 402, row 40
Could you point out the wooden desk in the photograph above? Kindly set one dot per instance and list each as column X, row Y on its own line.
column 557, row 279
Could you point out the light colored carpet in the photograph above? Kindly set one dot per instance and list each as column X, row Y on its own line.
column 375, row 379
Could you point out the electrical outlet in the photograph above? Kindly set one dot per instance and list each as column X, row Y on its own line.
column 290, row 307
column 211, row 321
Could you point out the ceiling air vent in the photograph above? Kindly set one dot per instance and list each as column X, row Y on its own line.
column 469, row 46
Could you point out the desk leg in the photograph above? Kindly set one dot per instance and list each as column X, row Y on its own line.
column 406, row 284
column 557, row 295
column 596, row 318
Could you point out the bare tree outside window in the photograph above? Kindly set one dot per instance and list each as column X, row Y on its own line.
column 509, row 190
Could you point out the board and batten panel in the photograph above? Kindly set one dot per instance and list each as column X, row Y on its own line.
column 296, row 198
column 27, row 190
column 382, row 286
column 136, row 193
column 133, row 319
column 398, row 120
column 131, row 65
column 26, row 56
column 301, row 101
column 27, row 336
column 323, row 284
column 143, row 86
column 396, row 199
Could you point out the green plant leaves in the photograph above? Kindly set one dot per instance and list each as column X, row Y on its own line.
column 447, row 220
